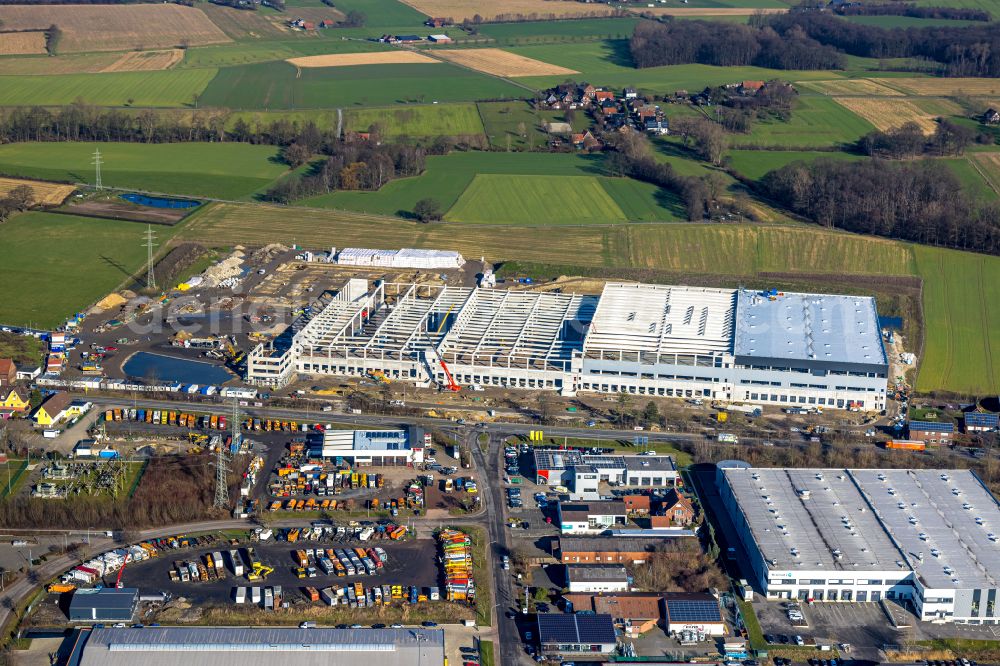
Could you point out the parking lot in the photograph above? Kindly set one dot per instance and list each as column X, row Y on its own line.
column 410, row 563
column 864, row 626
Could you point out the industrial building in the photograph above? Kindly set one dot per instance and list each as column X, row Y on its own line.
column 571, row 633
column 926, row 537
column 698, row 613
column 242, row 646
column 398, row 446
column 590, row 517
column 605, row 578
column 582, row 474
column 769, row 348
column 103, row 604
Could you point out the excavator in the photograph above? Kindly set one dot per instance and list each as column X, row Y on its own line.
column 260, row 572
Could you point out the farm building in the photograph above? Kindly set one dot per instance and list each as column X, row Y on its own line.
column 439, row 39
column 981, row 422
column 924, row 536
column 103, row 605
column 244, row 646
column 370, row 447
column 601, row 578
column 767, row 348
column 931, row 432
column 566, row 633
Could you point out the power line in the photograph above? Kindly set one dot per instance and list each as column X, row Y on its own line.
column 98, row 183
column 149, row 245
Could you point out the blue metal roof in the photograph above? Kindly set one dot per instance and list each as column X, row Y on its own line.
column 569, row 629
column 932, row 426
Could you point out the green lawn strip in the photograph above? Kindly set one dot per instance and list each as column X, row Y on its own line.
column 984, row 651
column 754, row 632
column 135, row 472
column 16, row 468
column 69, row 261
column 486, row 653
column 534, row 199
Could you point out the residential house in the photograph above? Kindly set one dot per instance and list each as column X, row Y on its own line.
column 635, row 613
column 603, row 95
column 678, row 509
column 630, row 93
column 991, row 117
column 588, row 91
column 981, row 422
column 932, row 432
column 638, row 505
column 657, row 126
column 590, row 517
column 53, row 409
column 8, row 372
column 751, row 87
column 29, row 374
column 13, row 400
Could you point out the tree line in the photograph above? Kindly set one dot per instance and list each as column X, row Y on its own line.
column 961, row 51
column 913, row 11
column 909, row 140
column 916, row 201
column 679, row 42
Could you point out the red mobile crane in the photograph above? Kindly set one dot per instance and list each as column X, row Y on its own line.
column 451, row 385
column 118, row 582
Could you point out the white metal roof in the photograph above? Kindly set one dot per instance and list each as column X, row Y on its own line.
column 660, row 319
column 811, row 327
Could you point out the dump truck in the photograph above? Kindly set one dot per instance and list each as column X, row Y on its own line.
column 312, row 594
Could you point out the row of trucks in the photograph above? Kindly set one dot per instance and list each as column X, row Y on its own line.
column 212, row 566
column 339, row 561
column 312, row 477
column 354, row 529
column 269, row 597
column 105, row 564
column 274, row 425
column 166, row 417
column 359, row 596
column 456, row 558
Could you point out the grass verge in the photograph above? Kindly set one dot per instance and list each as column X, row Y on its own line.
column 486, row 653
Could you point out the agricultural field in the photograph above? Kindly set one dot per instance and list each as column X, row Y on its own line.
column 222, row 170
column 242, row 26
column 81, row 63
column 170, row 88
column 83, row 260
column 48, row 194
column 116, row 27
column 248, row 53
column 754, row 164
column 535, row 200
column 644, row 202
column 853, row 87
column 275, row 86
column 396, row 57
column 384, row 13
column 962, row 312
column 887, row 113
column 989, row 166
column 816, row 121
column 502, row 63
column 459, row 10
column 972, row 176
column 145, row 61
column 569, row 30
column 22, row 43
column 429, row 120
column 948, row 87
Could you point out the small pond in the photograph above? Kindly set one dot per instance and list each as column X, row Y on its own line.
column 159, row 202
column 146, row 365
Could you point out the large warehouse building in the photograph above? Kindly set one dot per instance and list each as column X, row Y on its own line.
column 724, row 344
column 242, row 646
column 928, row 537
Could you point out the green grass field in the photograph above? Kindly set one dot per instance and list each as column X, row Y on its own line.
column 383, row 13
column 166, row 88
column 644, row 202
column 537, row 31
column 231, row 55
column 275, row 85
column 421, row 121
column 962, row 313
column 816, row 121
column 972, row 180
column 222, row 170
column 60, row 264
column 754, row 164
column 447, row 176
column 517, row 199
column 503, row 122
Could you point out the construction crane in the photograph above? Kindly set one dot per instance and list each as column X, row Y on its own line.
column 118, row 582
column 451, row 385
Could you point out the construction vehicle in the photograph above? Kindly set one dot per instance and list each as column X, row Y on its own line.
column 379, row 376
column 906, row 445
column 259, row 571
column 60, row 588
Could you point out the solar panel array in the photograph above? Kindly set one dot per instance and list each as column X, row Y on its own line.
column 575, row 629
column 982, row 419
column 686, row 610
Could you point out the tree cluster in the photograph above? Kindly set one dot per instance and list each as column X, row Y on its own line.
column 962, row 51
column 518, row 17
column 18, row 200
column 680, row 565
column 913, row 11
column 909, row 140
column 678, row 42
column 918, row 201
column 736, row 112
column 348, row 165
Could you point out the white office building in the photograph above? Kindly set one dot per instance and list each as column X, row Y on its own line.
column 925, row 537
column 768, row 348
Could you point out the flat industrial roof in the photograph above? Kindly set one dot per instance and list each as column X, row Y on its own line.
column 808, row 327
column 556, row 460
column 811, row 519
column 579, row 573
column 242, row 646
column 938, row 523
column 941, row 520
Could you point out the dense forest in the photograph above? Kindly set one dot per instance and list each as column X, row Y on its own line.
column 813, row 40
column 913, row 11
column 916, row 201
column 728, row 45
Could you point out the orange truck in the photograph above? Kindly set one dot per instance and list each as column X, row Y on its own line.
column 906, row 445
